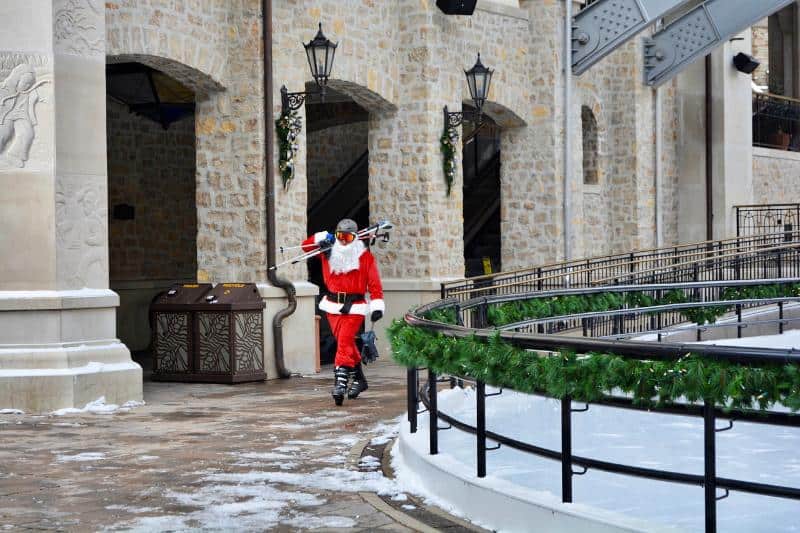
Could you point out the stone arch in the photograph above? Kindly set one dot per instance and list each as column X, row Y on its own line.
column 594, row 172
column 503, row 116
column 366, row 98
column 200, row 82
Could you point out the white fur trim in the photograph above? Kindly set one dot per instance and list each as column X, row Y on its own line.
column 377, row 305
column 335, row 309
column 320, row 236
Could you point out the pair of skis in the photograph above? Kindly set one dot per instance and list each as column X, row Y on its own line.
column 371, row 233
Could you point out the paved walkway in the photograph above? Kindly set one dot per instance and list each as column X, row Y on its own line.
column 266, row 456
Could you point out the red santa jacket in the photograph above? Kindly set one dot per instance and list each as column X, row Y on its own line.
column 360, row 281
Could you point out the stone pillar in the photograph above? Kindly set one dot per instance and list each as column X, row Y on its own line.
column 732, row 126
column 57, row 316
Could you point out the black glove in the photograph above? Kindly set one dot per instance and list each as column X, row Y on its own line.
column 376, row 315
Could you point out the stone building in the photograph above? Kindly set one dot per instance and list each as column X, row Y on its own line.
column 144, row 124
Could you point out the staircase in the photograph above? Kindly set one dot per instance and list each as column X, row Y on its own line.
column 348, row 197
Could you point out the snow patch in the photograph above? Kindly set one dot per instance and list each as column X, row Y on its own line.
column 99, row 406
column 81, row 457
column 11, row 412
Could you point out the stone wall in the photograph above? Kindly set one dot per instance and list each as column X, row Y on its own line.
column 776, row 177
column 330, row 153
column 214, row 48
column 153, row 170
column 761, row 52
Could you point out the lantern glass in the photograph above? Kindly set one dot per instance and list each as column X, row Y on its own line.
column 479, row 80
column 320, row 52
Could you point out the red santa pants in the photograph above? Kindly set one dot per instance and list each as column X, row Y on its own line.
column 345, row 328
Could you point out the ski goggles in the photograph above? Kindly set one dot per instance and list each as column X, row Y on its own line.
column 345, row 236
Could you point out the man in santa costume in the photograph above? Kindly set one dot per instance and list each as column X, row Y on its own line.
column 349, row 271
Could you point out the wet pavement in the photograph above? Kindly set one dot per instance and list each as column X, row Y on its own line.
column 273, row 456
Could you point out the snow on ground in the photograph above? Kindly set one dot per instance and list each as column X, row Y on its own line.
column 752, row 452
column 11, row 412
column 99, row 406
column 789, row 340
column 80, row 457
column 258, row 499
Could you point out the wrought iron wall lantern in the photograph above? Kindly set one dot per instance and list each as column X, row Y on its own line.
column 320, row 52
column 479, row 80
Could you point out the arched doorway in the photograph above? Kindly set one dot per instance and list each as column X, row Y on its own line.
column 481, row 208
column 337, row 171
column 150, row 127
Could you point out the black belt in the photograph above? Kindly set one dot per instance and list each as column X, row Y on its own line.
column 346, row 299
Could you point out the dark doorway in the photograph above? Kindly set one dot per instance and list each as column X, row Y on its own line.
column 151, row 192
column 337, row 163
column 481, row 164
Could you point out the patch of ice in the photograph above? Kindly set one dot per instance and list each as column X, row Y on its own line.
column 81, row 457
column 307, row 521
column 131, row 509
column 148, row 457
column 265, row 456
column 368, row 461
column 325, row 479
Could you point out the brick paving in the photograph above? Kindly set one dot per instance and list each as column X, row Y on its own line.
column 262, row 456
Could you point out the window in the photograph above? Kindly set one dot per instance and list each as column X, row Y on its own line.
column 590, row 148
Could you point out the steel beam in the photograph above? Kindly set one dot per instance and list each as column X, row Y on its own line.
column 696, row 33
column 605, row 25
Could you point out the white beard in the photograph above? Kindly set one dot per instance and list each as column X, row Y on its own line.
column 344, row 257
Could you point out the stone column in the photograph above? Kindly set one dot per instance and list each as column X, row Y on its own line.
column 732, row 145
column 57, row 316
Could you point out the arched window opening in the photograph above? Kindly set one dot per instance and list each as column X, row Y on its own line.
column 590, row 148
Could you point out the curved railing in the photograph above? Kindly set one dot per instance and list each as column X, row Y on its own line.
column 467, row 339
column 773, row 255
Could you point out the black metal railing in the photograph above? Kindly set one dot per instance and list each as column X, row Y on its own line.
column 775, row 223
column 776, row 122
column 749, row 257
column 531, row 335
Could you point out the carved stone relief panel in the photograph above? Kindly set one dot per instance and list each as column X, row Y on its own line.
column 79, row 27
column 82, row 232
column 25, row 87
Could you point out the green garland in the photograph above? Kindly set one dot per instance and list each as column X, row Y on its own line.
column 594, row 376
column 447, row 145
column 288, row 127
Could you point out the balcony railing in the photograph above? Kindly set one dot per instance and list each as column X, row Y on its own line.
column 776, row 122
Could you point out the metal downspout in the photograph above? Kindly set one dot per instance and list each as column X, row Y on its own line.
column 709, row 153
column 269, row 142
column 659, row 167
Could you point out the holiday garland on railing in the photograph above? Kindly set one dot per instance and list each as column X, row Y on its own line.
column 594, row 376
column 288, row 127
column 448, row 147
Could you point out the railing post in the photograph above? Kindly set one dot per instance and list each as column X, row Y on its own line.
column 710, row 459
column 433, row 411
column 480, row 426
column 412, row 400
column 539, row 282
column 739, row 321
column 566, row 450
column 780, row 318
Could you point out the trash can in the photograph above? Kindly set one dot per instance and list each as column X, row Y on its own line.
column 172, row 322
column 229, row 328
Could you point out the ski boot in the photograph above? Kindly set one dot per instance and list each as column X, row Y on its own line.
column 359, row 383
column 340, row 383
